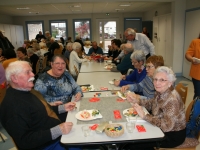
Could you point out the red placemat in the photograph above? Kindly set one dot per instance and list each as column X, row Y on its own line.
column 93, row 127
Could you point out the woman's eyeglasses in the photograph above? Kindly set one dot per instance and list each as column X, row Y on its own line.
column 159, row 80
column 149, row 67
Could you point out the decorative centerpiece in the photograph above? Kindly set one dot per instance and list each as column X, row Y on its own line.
column 114, row 130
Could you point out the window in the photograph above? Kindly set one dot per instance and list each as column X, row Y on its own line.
column 82, row 28
column 33, row 28
column 58, row 28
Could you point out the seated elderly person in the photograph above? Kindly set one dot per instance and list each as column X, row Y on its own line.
column 94, row 50
column 138, row 60
column 68, row 50
column 167, row 108
column 33, row 58
column 42, row 44
column 74, row 60
column 57, row 85
column 126, row 62
column 146, row 86
column 22, row 54
column 26, row 116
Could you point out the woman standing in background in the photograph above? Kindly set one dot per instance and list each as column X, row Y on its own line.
column 192, row 55
column 5, row 43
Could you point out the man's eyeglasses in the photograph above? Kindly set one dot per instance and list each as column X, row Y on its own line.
column 58, row 64
column 149, row 67
column 159, row 80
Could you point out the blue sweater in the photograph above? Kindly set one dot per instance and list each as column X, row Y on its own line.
column 134, row 77
column 145, row 86
column 57, row 89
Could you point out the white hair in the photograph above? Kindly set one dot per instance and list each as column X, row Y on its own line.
column 61, row 45
column 47, row 32
column 14, row 68
column 76, row 46
column 168, row 71
column 52, row 38
column 138, row 55
column 30, row 51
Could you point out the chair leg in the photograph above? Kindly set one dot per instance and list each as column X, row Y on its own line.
column 2, row 138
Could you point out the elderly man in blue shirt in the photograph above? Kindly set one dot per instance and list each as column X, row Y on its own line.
column 95, row 49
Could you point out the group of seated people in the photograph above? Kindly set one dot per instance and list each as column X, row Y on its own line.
column 34, row 115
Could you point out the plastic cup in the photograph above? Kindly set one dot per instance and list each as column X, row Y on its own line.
column 130, row 126
column 86, row 130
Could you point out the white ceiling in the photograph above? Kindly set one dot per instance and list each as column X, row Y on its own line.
column 50, row 7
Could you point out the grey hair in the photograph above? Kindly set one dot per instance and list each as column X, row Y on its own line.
column 14, row 68
column 168, row 71
column 122, row 46
column 130, row 31
column 52, row 38
column 128, row 47
column 47, row 32
column 139, row 56
column 30, row 50
column 76, row 46
column 36, row 46
column 61, row 45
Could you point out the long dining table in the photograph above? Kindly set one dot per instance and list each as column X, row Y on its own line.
column 107, row 104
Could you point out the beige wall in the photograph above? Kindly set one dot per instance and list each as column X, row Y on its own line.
column 192, row 4
column 4, row 19
column 162, row 10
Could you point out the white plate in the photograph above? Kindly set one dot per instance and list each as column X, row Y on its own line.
column 111, row 82
column 110, row 67
column 134, row 118
column 120, row 95
column 91, row 88
column 78, row 116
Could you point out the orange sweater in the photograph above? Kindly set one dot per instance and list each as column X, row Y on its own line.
column 194, row 51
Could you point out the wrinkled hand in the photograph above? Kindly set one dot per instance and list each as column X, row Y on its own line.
column 116, row 82
column 56, row 103
column 124, row 88
column 194, row 61
column 132, row 97
column 116, row 59
column 139, row 110
column 123, row 77
column 66, row 127
column 77, row 97
column 70, row 106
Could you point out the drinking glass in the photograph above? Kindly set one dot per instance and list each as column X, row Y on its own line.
column 86, row 130
column 130, row 126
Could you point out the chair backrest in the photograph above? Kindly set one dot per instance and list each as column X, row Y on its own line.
column 44, row 62
column 182, row 90
column 76, row 70
column 37, row 67
column 58, row 51
column 2, row 91
column 67, row 64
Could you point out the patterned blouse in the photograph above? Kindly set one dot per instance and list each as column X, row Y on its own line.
column 168, row 111
column 57, row 89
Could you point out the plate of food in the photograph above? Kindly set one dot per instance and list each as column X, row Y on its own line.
column 87, row 88
column 108, row 67
column 132, row 114
column 121, row 95
column 87, row 115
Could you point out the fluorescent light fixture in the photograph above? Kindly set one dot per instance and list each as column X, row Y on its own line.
column 125, row 5
column 76, row 10
column 77, row 6
column 33, row 12
column 117, row 9
column 23, row 8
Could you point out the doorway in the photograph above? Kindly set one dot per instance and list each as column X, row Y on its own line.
column 107, row 30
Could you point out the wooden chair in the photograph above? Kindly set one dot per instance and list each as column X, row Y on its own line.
column 76, row 70
column 187, row 115
column 58, row 51
column 44, row 62
column 37, row 67
column 182, row 90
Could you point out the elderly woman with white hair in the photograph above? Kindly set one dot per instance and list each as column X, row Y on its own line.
column 138, row 59
column 33, row 58
column 167, row 108
column 74, row 60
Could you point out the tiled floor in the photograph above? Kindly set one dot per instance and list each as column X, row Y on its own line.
column 9, row 145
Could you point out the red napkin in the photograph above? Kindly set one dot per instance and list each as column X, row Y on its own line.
column 93, row 127
column 104, row 88
column 120, row 100
column 3, row 85
column 140, row 128
column 94, row 99
column 117, row 114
